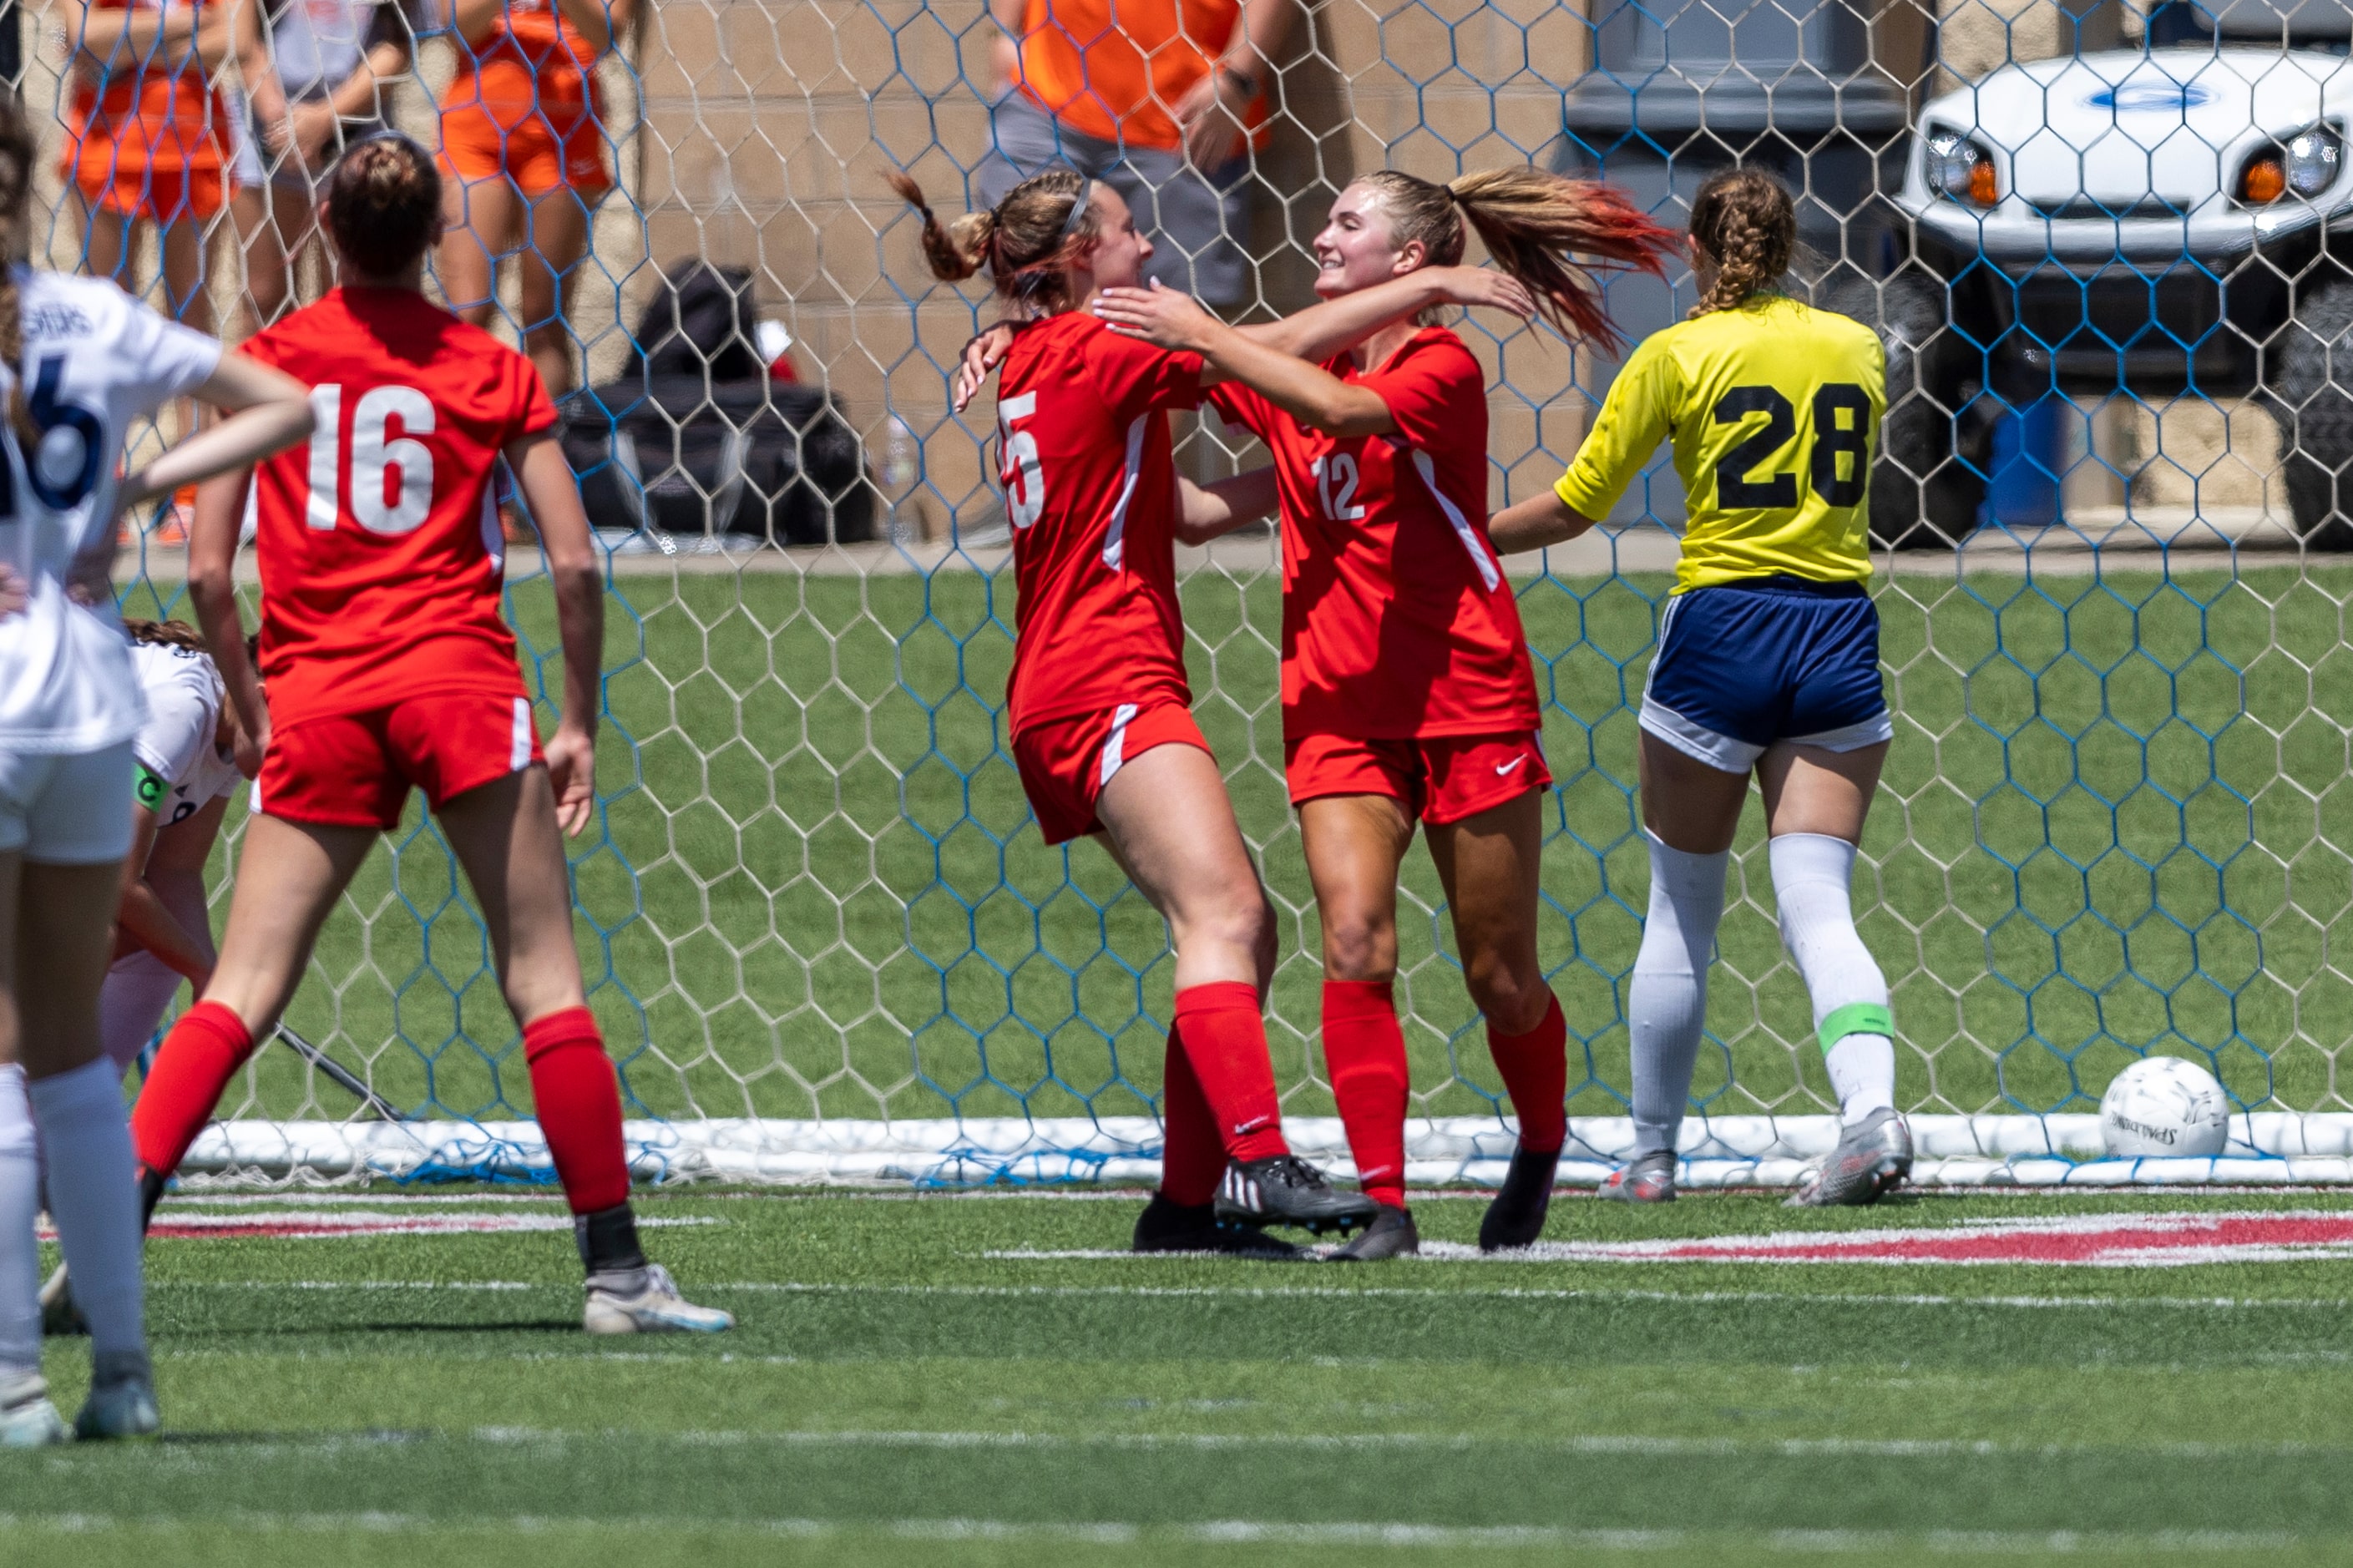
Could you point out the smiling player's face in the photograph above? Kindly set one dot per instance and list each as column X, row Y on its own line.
column 1120, row 249
column 1357, row 249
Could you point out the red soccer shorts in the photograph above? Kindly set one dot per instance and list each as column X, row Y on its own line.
column 355, row 770
column 1065, row 763
column 1441, row 778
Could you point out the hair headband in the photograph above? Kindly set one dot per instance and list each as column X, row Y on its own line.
column 1078, row 214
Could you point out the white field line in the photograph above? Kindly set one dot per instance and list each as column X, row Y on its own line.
column 1227, row 1533
column 1251, row 1292
column 211, row 1196
column 1590, row 1444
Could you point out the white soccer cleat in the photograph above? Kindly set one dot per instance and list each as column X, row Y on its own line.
column 646, row 1302
column 121, row 1402
column 27, row 1419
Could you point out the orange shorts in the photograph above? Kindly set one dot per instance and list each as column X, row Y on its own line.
column 1065, row 763
column 1441, row 778
column 160, row 195
column 355, row 770
column 479, row 144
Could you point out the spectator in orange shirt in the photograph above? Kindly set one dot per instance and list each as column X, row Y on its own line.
column 148, row 140
column 1158, row 99
column 526, row 157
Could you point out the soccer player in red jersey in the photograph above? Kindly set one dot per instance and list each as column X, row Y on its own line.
column 1098, row 704
column 1407, row 690
column 389, row 668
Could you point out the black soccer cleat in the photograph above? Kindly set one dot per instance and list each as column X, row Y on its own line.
column 1287, row 1190
column 1391, row 1235
column 1166, row 1226
column 1517, row 1216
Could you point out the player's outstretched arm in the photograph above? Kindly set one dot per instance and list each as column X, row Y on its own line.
column 212, row 591
column 145, row 919
column 570, row 552
column 1168, row 320
column 1535, row 524
column 1336, row 326
column 267, row 412
column 1207, row 512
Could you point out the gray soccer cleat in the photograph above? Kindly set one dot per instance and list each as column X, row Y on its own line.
column 1873, row 1158
column 1286, row 1190
column 1644, row 1179
column 646, row 1302
column 27, row 1419
column 1392, row 1234
column 121, row 1402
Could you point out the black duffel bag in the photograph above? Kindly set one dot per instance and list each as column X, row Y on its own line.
column 696, row 439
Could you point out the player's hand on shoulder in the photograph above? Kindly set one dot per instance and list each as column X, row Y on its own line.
column 1164, row 318
column 1483, row 286
column 981, row 357
column 571, row 773
column 12, row 593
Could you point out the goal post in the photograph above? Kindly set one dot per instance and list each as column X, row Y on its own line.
column 827, row 942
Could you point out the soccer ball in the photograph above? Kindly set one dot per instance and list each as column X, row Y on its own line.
column 2163, row 1105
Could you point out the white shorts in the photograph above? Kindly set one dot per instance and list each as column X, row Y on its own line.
column 69, row 809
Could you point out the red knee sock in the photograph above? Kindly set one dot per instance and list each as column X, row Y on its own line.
column 198, row 1057
column 1192, row 1156
column 1364, row 1050
column 1534, row 1068
column 1225, row 1038
column 579, row 1103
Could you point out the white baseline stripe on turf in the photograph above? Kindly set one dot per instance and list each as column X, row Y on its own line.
column 1231, row 1531
column 1591, row 1444
column 1260, row 1292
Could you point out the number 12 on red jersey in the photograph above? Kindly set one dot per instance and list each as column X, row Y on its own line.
column 377, row 456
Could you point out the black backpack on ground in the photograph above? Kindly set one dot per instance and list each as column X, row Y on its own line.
column 693, row 437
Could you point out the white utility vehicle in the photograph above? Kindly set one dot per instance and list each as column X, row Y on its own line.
column 2155, row 222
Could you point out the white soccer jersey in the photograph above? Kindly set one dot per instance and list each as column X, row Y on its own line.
column 95, row 362
column 176, row 744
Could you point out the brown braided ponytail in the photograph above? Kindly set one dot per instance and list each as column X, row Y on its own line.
column 1745, row 219
column 1043, row 225
column 18, row 151
column 1550, row 232
column 163, row 634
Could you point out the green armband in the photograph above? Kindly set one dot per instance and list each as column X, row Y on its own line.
column 150, row 788
column 1856, row 1018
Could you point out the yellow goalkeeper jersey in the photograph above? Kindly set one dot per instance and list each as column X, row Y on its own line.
column 1774, row 411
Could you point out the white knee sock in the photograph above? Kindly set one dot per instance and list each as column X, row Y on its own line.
column 1812, row 878
column 94, row 1199
column 1666, row 1003
column 20, row 1254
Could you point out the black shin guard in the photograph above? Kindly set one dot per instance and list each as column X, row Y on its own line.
column 608, row 1240
column 151, row 1192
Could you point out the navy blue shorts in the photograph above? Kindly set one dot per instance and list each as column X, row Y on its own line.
column 1743, row 665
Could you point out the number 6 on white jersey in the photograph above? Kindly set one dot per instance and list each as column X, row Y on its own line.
column 374, row 452
column 1026, row 501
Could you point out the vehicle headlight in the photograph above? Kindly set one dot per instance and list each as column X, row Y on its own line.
column 2305, row 164
column 1962, row 169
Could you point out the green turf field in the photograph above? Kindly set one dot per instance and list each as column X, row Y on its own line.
column 2118, row 820
column 898, row 1395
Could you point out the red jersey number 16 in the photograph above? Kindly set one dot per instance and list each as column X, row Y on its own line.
column 1025, row 483
column 390, row 477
